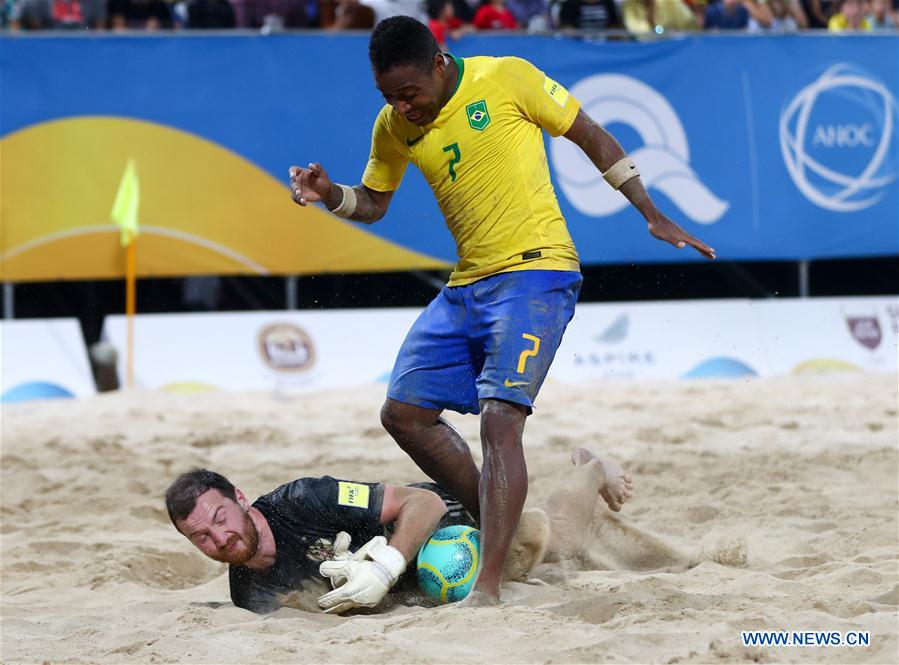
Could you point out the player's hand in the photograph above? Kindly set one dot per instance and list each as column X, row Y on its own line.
column 341, row 548
column 362, row 584
column 309, row 185
column 341, row 551
column 664, row 229
column 361, row 579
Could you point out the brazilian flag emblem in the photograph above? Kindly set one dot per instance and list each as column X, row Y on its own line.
column 478, row 117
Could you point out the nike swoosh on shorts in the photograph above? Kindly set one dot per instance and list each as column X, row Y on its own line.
column 514, row 384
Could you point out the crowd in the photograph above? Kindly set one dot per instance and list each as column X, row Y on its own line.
column 451, row 19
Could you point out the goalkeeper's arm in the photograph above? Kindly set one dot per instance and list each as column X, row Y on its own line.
column 416, row 513
column 363, row 579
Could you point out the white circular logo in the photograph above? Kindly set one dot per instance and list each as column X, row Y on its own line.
column 285, row 347
column 857, row 113
column 664, row 158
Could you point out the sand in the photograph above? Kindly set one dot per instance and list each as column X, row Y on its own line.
column 764, row 504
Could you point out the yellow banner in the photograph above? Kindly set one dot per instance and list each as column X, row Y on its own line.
column 204, row 209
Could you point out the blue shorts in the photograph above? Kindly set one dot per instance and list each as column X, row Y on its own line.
column 492, row 339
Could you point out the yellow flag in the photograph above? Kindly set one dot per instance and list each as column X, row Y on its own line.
column 127, row 201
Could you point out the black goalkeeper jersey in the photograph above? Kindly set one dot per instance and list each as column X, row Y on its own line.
column 305, row 516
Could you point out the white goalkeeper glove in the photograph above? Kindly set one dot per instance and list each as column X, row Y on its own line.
column 361, row 579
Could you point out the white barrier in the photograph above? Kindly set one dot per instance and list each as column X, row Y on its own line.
column 282, row 351
column 43, row 359
column 822, row 334
column 729, row 338
column 301, row 351
column 661, row 340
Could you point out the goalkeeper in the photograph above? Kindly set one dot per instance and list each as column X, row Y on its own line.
column 359, row 536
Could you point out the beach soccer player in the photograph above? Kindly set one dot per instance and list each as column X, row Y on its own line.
column 360, row 537
column 473, row 126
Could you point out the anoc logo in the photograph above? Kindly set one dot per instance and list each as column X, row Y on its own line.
column 838, row 139
column 664, row 158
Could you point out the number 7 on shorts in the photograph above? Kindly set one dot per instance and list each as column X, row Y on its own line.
column 528, row 353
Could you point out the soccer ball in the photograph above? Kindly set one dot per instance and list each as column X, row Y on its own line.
column 448, row 563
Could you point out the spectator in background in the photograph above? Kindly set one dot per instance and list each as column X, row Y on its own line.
column 850, row 17
column 210, row 15
column 67, row 15
column 273, row 15
column 139, row 15
column 494, row 15
column 735, row 14
column 387, row 8
column 464, row 10
column 530, row 14
column 786, row 16
column 698, row 7
column 820, row 11
column 645, row 16
column 879, row 16
column 31, row 15
column 592, row 15
column 56, row 14
column 443, row 22
column 352, row 15
column 9, row 14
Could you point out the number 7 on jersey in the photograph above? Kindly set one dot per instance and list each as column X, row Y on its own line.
column 455, row 159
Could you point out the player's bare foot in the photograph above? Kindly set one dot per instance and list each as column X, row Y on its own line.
column 618, row 487
column 477, row 598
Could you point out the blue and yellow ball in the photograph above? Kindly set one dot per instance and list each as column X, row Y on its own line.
column 448, row 563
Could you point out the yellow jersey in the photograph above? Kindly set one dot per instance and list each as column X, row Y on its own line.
column 838, row 23
column 485, row 160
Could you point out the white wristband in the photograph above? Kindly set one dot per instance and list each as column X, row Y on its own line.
column 391, row 559
column 620, row 172
column 348, row 204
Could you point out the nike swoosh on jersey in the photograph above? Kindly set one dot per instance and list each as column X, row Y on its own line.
column 412, row 142
column 514, row 384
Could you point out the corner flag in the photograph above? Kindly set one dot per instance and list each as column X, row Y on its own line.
column 124, row 215
column 127, row 201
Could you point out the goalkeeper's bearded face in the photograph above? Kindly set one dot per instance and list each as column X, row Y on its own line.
column 221, row 528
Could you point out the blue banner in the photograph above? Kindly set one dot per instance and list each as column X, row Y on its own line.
column 766, row 148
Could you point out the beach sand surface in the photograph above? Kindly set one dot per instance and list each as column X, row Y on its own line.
column 767, row 504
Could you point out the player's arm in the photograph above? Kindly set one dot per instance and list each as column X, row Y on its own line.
column 817, row 10
column 358, row 203
column 416, row 513
column 794, row 9
column 759, row 11
column 363, row 578
column 607, row 155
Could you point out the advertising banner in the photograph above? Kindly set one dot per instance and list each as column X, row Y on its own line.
column 275, row 351
column 719, row 339
column 759, row 159
column 43, row 359
column 729, row 338
column 831, row 334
